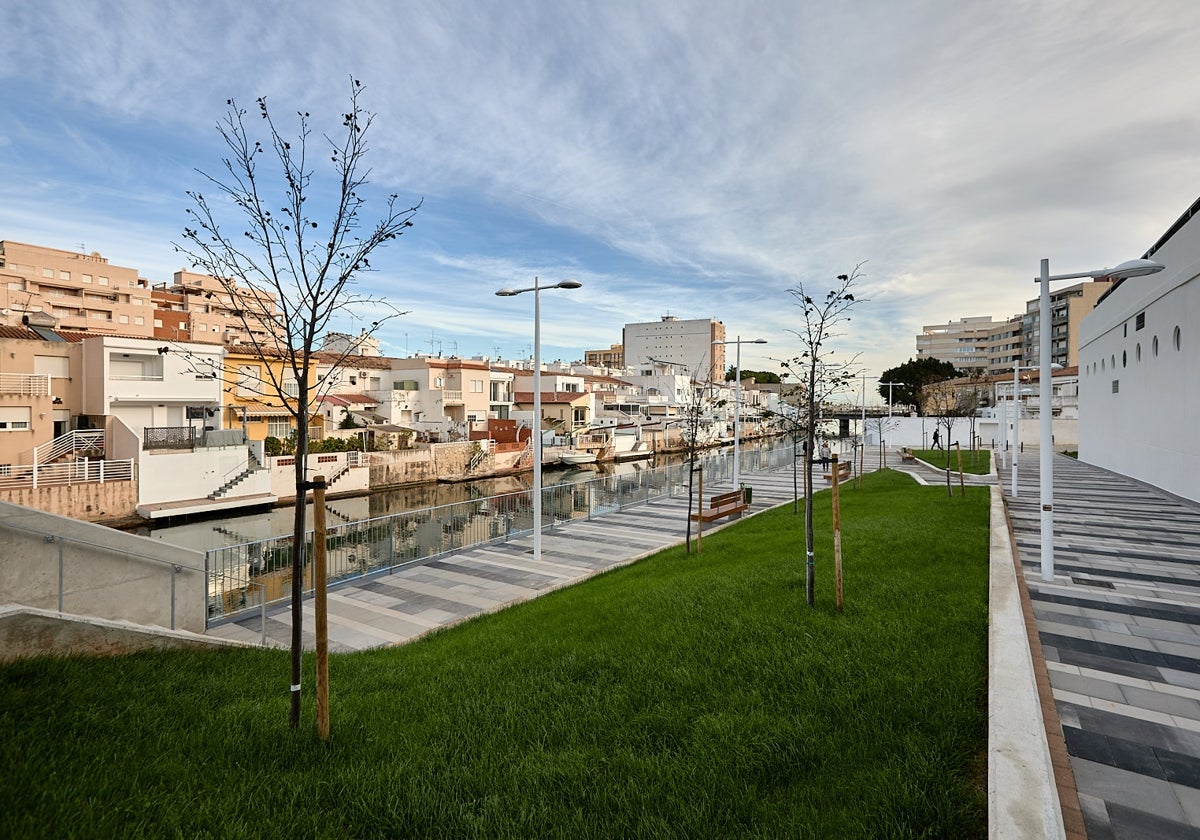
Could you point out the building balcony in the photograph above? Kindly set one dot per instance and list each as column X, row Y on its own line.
column 452, row 397
column 24, row 384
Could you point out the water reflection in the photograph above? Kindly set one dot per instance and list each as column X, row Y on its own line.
column 203, row 534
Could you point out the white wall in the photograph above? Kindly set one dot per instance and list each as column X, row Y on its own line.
column 1165, row 386
column 178, row 476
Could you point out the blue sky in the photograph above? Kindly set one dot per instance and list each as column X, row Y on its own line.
column 691, row 158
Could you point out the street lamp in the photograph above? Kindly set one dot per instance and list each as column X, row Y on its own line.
column 1016, row 401
column 1130, row 268
column 536, row 288
column 737, row 399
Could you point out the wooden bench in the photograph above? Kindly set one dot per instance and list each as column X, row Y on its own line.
column 907, row 455
column 721, row 505
column 843, row 469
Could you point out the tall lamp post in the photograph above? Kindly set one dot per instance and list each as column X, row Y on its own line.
column 1016, row 436
column 536, row 288
column 737, row 400
column 1130, row 268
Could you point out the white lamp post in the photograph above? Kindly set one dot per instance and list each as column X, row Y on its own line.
column 737, row 400
column 536, row 288
column 1016, row 436
column 1131, row 268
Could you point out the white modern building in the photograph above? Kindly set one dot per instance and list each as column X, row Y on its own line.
column 686, row 344
column 1139, row 383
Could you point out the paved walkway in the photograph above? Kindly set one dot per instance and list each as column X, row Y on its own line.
column 392, row 608
column 1120, row 629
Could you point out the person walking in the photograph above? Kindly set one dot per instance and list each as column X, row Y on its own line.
column 825, row 454
column 937, row 441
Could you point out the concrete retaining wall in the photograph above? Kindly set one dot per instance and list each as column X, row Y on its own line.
column 55, row 563
column 27, row 631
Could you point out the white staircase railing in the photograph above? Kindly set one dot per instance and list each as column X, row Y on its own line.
column 89, row 440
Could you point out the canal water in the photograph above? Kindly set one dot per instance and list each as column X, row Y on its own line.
column 203, row 534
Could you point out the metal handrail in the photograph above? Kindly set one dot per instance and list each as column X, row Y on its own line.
column 386, row 543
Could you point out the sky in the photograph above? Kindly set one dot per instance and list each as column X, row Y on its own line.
column 697, row 159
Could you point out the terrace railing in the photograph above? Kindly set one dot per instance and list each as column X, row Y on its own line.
column 243, row 577
column 168, row 437
column 84, row 471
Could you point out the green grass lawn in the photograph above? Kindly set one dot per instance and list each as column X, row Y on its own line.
column 681, row 696
column 975, row 462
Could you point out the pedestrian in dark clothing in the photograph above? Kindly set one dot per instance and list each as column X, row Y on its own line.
column 937, row 442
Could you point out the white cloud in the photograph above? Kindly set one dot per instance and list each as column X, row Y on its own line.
column 684, row 156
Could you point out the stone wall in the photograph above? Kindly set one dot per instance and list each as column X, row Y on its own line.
column 112, row 501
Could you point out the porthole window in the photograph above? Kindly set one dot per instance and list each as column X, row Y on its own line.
column 1154, row 347
column 1137, row 352
column 1175, row 338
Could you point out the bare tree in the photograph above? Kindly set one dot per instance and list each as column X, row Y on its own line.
column 291, row 273
column 819, row 378
column 692, row 427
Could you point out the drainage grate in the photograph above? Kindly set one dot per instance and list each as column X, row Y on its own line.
column 1103, row 584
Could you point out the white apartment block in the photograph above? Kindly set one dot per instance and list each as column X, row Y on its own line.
column 685, row 344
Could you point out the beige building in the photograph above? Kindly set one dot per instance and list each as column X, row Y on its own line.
column 963, row 343
column 71, row 290
column 220, row 311
column 975, row 343
column 41, row 386
column 1068, row 307
column 1005, row 345
column 613, row 357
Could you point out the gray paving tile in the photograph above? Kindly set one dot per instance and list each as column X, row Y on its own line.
column 1137, row 763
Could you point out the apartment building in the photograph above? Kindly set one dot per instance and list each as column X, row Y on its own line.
column 612, row 358
column 1005, row 345
column 71, row 290
column 220, row 311
column 1068, row 307
column 964, row 343
column 686, row 344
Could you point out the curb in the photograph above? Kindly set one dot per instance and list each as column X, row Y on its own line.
column 1023, row 797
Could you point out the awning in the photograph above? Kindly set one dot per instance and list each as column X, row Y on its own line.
column 263, row 412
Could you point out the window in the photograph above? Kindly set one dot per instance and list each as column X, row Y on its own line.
column 279, row 427
column 48, row 272
column 103, row 281
column 1137, row 352
column 1140, row 321
column 248, row 381
column 86, row 278
column 158, row 323
column 15, row 418
column 53, row 366
column 64, row 275
column 1116, row 386
column 1124, row 358
column 1154, row 347
column 123, row 319
column 139, row 320
column 476, row 386
column 1176, row 338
